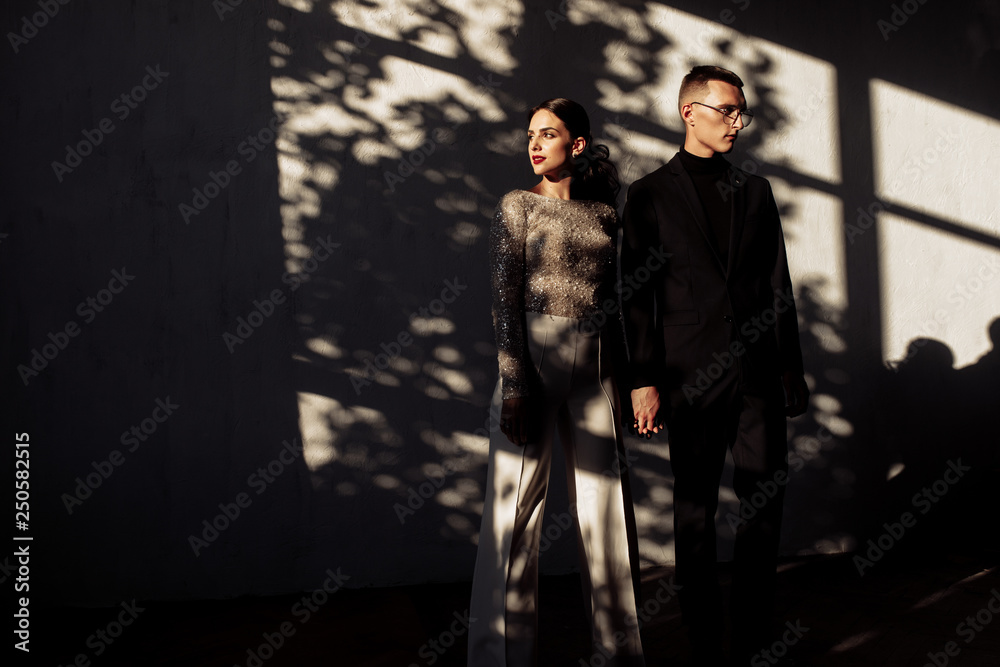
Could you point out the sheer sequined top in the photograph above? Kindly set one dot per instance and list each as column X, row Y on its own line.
column 551, row 256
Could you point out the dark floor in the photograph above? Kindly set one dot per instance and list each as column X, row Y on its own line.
column 900, row 612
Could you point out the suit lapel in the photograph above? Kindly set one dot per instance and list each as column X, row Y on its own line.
column 685, row 185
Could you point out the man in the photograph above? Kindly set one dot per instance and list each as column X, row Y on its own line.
column 714, row 346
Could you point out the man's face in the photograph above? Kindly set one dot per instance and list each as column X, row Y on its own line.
column 708, row 131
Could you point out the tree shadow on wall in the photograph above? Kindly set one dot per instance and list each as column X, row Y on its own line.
column 398, row 140
column 401, row 135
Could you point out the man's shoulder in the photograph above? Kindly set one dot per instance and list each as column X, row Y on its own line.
column 654, row 178
column 751, row 180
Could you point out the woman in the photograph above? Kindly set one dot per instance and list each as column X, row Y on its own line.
column 554, row 264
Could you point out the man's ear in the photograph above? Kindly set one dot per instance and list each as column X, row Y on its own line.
column 687, row 113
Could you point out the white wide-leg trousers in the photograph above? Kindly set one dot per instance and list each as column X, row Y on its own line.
column 582, row 405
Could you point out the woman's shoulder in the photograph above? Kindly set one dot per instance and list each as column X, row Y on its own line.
column 603, row 208
column 525, row 201
column 514, row 209
column 516, row 198
column 605, row 212
column 513, row 201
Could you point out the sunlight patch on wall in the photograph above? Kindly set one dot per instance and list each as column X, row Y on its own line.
column 449, row 28
column 317, row 439
column 369, row 103
column 801, row 109
column 814, row 241
column 793, row 94
column 936, row 158
column 324, row 347
column 640, row 153
column 302, row 177
column 396, row 100
column 939, row 160
column 324, row 423
column 394, row 20
column 304, row 6
column 936, row 285
column 609, row 13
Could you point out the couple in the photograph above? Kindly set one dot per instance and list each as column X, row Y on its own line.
column 704, row 258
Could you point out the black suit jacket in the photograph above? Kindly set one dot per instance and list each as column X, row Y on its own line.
column 695, row 326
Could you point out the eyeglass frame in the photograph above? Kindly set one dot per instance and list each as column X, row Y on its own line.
column 740, row 113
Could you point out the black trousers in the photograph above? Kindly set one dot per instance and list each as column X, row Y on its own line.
column 752, row 425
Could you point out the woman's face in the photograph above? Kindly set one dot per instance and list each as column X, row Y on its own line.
column 550, row 146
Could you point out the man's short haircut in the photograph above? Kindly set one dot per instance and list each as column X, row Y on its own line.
column 695, row 84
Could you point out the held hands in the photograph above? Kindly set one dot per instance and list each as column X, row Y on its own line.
column 796, row 393
column 646, row 408
column 514, row 420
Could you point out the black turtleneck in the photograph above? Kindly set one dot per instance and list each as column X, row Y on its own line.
column 707, row 173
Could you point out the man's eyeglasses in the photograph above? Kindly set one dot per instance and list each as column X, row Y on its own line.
column 732, row 113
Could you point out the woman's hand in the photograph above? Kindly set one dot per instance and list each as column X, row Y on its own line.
column 514, row 420
column 646, row 409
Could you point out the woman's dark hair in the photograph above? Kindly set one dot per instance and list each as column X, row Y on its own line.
column 595, row 175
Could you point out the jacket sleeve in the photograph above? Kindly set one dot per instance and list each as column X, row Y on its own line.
column 616, row 330
column 644, row 332
column 787, row 327
column 507, row 238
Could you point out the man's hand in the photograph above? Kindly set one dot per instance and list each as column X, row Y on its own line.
column 514, row 417
column 646, row 409
column 796, row 394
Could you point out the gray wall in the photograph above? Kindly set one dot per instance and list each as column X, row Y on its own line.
column 435, row 98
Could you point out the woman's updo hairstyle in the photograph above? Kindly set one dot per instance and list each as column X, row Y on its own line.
column 595, row 176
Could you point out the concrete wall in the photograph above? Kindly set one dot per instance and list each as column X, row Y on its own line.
column 283, row 232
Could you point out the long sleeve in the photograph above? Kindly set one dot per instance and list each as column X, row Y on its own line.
column 645, row 339
column 507, row 269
